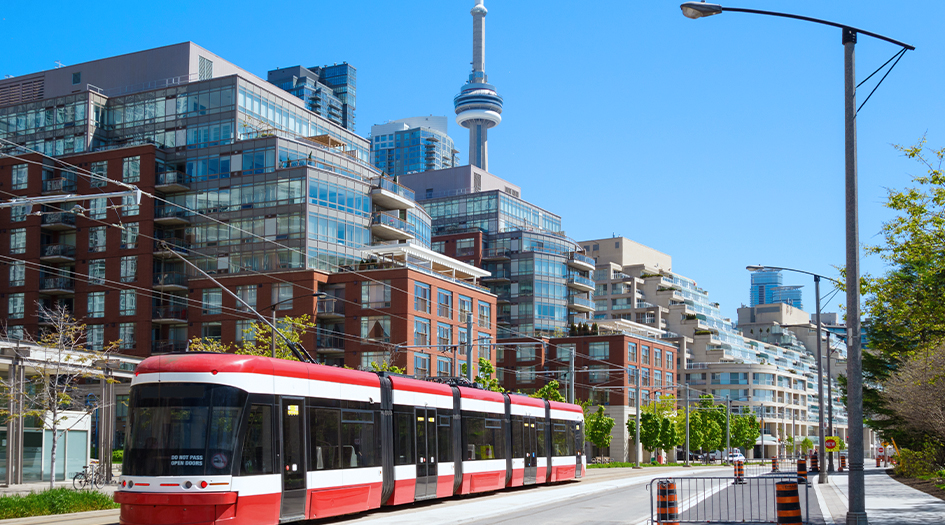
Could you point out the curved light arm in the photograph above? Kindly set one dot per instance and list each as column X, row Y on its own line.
column 758, row 268
column 701, row 9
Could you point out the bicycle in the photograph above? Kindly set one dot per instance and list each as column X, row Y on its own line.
column 91, row 476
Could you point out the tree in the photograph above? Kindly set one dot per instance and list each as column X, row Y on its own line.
column 744, row 431
column 806, row 444
column 55, row 372
column 257, row 339
column 904, row 310
column 549, row 391
column 485, row 377
column 669, row 435
column 597, row 428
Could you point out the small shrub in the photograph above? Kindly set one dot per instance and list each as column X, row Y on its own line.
column 914, row 464
column 118, row 456
column 56, row 501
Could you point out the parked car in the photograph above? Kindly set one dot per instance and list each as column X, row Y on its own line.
column 718, row 455
column 693, row 456
column 736, row 456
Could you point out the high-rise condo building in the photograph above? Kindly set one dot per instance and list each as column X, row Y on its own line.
column 767, row 288
column 329, row 91
column 411, row 145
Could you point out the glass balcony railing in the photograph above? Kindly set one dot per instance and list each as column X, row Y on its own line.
column 58, row 217
column 167, row 211
column 580, row 301
column 170, row 279
column 57, row 283
column 173, row 177
column 58, row 250
column 389, row 220
column 391, row 186
column 59, row 186
column 170, row 312
column 580, row 257
column 331, row 306
column 171, row 243
column 577, row 279
column 167, row 346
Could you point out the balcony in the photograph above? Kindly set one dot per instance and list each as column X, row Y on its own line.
column 580, row 283
column 170, row 281
column 58, row 221
column 330, row 342
column 580, row 261
column 168, row 346
column 496, row 254
column 173, row 181
column 390, row 195
column 580, row 304
column 53, row 186
column 56, row 285
column 330, row 308
column 498, row 275
column 57, row 253
column 167, row 247
column 169, row 315
column 171, row 215
column 388, row 227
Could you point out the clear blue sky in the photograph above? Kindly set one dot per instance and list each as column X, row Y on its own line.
column 718, row 141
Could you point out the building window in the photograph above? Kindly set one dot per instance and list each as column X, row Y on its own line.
column 131, row 169
column 669, row 360
column 375, row 294
column 444, row 304
column 371, row 357
column 244, row 331
column 526, row 374
column 376, row 328
column 444, row 367
column 632, row 352
column 248, row 295
column 282, row 292
column 15, row 305
column 421, row 299
column 599, row 373
column 97, row 239
column 212, row 301
column 421, row 331
column 657, row 378
column 96, row 304
column 646, row 354
column 444, row 335
column 127, row 302
column 20, row 176
column 129, row 269
column 465, row 308
column 129, row 236
column 15, row 332
column 18, row 240
column 18, row 213
column 126, row 332
column 97, row 208
column 97, row 271
column 485, row 347
column 485, row 315
column 421, row 365
column 100, row 169
column 657, row 357
column 17, row 273
column 599, row 350
column 129, row 205
column 211, row 331
column 95, row 336
column 76, row 78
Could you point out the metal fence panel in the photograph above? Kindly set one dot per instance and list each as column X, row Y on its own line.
column 722, row 500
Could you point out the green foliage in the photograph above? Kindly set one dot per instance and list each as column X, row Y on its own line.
column 744, row 431
column 806, row 445
column 597, row 428
column 549, row 391
column 670, row 436
column 386, row 367
column 915, row 464
column 258, row 339
column 485, row 376
column 118, row 456
column 55, row 501
column 656, row 432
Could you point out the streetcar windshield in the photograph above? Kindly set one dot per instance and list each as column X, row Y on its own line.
column 179, row 429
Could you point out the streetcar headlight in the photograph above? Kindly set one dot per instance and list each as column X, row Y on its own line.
column 203, row 484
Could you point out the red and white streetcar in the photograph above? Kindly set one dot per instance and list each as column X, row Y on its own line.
column 222, row 438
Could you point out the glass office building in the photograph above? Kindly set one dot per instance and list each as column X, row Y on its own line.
column 767, row 288
column 412, row 145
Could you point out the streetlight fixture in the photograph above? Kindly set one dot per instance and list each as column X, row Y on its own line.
column 822, row 472
column 857, row 499
column 275, row 326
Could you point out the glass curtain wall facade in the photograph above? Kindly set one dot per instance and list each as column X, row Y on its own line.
column 411, row 150
column 329, row 91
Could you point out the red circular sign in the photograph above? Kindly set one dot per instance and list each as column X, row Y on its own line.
column 831, row 443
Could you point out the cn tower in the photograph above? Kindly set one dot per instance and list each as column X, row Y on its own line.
column 478, row 106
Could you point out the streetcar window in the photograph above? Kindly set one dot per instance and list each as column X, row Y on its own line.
column 444, row 437
column 358, row 439
column 326, row 447
column 178, row 429
column 518, row 444
column 256, row 457
column 570, row 438
column 540, row 432
column 559, row 438
column 483, row 437
column 403, row 436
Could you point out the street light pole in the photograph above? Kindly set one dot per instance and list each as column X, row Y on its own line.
column 829, row 401
column 822, row 472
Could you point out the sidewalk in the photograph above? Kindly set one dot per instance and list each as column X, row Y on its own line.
column 887, row 501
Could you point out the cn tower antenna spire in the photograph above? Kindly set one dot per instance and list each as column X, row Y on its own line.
column 478, row 106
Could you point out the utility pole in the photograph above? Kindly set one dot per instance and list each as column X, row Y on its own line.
column 469, row 338
column 571, row 381
column 687, row 425
column 728, row 425
column 829, row 402
column 637, row 451
column 762, row 431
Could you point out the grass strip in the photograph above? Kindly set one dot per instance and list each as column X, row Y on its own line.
column 55, row 501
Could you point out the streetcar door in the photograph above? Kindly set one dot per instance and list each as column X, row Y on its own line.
column 578, row 448
column 293, row 459
column 426, row 453
column 530, row 437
